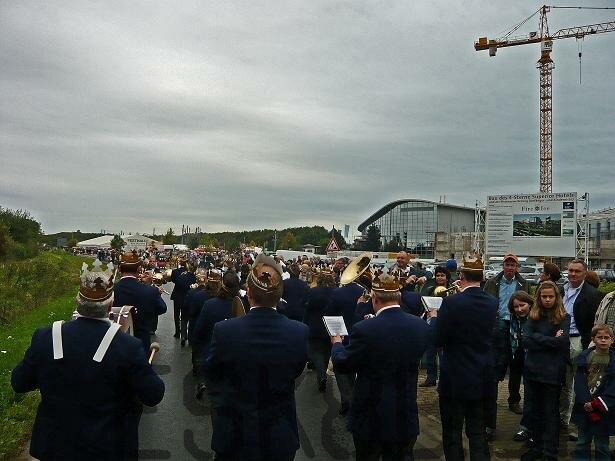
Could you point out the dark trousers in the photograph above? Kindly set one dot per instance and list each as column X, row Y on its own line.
column 345, row 384
column 319, row 353
column 453, row 413
column 177, row 308
column 431, row 360
column 543, row 412
column 183, row 322
column 514, row 377
column 503, row 358
column 374, row 450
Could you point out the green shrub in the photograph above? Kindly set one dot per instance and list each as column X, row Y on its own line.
column 35, row 293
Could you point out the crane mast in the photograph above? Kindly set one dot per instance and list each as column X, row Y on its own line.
column 545, row 67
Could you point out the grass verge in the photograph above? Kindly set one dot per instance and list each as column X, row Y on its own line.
column 38, row 291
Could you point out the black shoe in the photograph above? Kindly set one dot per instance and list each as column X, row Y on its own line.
column 428, row 383
column 310, row 365
column 522, row 435
column 515, row 408
column 344, row 409
column 183, row 343
column 531, row 455
column 322, row 384
column 176, row 335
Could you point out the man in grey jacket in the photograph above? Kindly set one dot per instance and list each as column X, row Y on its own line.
column 502, row 286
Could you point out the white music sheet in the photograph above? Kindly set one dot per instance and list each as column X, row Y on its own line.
column 335, row 325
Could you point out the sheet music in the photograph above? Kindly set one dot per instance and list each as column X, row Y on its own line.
column 335, row 325
column 432, row 302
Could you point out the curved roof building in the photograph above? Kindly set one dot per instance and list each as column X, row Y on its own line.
column 419, row 225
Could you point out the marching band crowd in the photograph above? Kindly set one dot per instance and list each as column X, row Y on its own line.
column 253, row 322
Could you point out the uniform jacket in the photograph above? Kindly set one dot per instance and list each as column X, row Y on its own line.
column 174, row 275
column 147, row 302
column 255, row 360
column 584, row 311
column 295, row 294
column 345, row 302
column 214, row 310
column 385, row 352
column 195, row 299
column 411, row 302
column 85, row 404
column 606, row 392
column 319, row 303
column 547, row 355
column 465, row 332
column 182, row 282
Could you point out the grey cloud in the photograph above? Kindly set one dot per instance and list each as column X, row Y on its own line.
column 237, row 115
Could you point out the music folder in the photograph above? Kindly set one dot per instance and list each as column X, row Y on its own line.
column 431, row 302
column 335, row 325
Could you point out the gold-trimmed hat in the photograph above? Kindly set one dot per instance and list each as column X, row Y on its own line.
column 201, row 275
column 385, row 283
column 96, row 284
column 130, row 261
column 263, row 279
column 472, row 263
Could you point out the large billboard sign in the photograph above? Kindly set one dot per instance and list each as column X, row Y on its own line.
column 532, row 224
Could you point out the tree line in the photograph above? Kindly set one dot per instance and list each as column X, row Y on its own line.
column 20, row 235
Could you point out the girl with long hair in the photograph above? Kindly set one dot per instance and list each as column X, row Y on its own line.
column 546, row 340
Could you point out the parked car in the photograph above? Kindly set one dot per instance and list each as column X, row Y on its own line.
column 530, row 273
column 490, row 271
column 606, row 274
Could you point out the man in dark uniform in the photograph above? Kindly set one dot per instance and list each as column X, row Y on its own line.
column 464, row 330
column 344, row 303
column 295, row 294
column 177, row 296
column 147, row 302
column 89, row 374
column 209, row 284
column 254, row 360
column 319, row 304
column 385, row 352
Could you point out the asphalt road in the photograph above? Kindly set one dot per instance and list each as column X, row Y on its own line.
column 179, row 427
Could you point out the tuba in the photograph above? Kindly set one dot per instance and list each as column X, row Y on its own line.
column 358, row 271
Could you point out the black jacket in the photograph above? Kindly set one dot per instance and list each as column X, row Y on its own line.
column 584, row 311
column 547, row 355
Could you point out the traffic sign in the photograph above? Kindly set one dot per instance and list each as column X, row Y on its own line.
column 333, row 247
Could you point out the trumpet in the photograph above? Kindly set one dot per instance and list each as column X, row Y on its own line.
column 443, row 292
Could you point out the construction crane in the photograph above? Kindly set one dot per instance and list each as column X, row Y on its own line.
column 545, row 66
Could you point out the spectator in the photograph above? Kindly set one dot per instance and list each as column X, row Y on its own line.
column 546, row 341
column 581, row 302
column 550, row 272
column 502, row 286
column 594, row 385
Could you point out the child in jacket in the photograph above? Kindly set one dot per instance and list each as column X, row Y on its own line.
column 594, row 386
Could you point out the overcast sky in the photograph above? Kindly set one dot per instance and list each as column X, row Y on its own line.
column 234, row 115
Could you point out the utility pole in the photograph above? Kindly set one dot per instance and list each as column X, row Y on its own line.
column 275, row 240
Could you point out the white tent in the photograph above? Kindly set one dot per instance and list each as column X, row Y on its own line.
column 104, row 241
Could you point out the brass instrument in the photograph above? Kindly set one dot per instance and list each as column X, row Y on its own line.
column 443, row 292
column 154, row 347
column 159, row 279
column 358, row 271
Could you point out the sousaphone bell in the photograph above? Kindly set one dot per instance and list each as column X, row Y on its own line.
column 359, row 271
